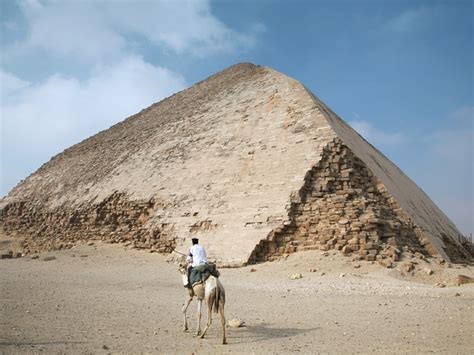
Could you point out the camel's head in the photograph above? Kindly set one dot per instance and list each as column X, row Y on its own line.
column 183, row 267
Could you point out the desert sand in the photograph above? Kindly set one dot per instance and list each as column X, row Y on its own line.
column 105, row 298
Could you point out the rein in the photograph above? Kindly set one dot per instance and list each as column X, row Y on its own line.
column 177, row 252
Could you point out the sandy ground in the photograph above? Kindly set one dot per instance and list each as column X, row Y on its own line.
column 109, row 299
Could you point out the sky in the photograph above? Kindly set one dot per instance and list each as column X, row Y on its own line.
column 399, row 72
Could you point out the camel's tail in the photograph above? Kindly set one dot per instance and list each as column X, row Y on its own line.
column 217, row 296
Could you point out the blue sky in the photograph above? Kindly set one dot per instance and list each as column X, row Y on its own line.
column 400, row 72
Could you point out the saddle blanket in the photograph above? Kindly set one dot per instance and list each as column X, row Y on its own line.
column 201, row 273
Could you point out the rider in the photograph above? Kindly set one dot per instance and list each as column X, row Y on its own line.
column 197, row 255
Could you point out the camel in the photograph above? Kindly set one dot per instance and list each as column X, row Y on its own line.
column 213, row 293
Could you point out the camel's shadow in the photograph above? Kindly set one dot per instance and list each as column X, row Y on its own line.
column 264, row 331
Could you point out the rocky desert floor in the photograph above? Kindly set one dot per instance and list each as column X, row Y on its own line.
column 105, row 298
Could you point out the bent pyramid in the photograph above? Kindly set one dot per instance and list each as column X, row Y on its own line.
column 249, row 161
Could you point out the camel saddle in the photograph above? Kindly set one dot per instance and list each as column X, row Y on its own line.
column 201, row 273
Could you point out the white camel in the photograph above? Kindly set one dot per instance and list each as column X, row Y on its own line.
column 213, row 293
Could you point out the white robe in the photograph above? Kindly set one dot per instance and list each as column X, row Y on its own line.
column 199, row 255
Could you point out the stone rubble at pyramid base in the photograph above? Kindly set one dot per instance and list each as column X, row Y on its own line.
column 115, row 220
column 343, row 206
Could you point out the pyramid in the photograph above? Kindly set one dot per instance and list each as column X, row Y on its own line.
column 250, row 162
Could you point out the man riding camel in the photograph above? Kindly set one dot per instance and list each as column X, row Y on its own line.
column 198, row 259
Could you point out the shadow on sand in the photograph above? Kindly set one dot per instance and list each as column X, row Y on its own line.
column 264, row 331
column 39, row 343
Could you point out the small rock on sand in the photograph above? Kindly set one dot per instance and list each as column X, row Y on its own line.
column 463, row 279
column 6, row 256
column 235, row 323
column 428, row 271
column 296, row 276
column 49, row 258
column 408, row 266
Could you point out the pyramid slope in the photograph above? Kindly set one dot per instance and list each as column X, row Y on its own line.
column 223, row 160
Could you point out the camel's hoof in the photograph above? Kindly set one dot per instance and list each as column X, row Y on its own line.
column 185, row 329
column 201, row 337
column 224, row 342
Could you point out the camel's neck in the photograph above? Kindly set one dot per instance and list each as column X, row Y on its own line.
column 185, row 279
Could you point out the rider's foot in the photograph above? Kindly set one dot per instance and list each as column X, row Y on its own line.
column 188, row 285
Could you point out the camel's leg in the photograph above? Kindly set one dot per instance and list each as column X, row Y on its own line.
column 221, row 313
column 209, row 320
column 185, row 307
column 199, row 317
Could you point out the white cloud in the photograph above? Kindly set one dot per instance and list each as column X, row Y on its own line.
column 40, row 120
column 179, row 25
column 452, row 144
column 404, row 22
column 464, row 114
column 101, row 30
column 374, row 135
column 456, row 142
column 412, row 19
column 9, row 84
